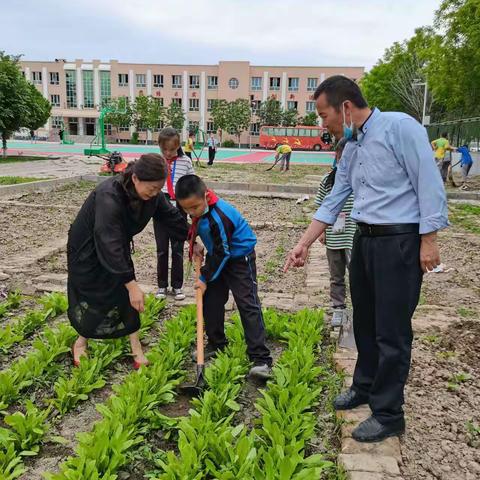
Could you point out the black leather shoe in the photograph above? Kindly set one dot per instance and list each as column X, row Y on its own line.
column 348, row 400
column 371, row 430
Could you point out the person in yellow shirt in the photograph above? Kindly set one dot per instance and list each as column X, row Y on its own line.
column 440, row 147
column 284, row 152
column 189, row 145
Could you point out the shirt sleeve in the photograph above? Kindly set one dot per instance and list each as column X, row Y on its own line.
column 215, row 262
column 413, row 151
column 190, row 169
column 110, row 237
column 333, row 203
column 171, row 219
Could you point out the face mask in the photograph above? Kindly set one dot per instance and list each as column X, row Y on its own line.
column 347, row 129
column 207, row 208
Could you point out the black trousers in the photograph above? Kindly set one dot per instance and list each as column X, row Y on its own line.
column 239, row 276
column 385, row 282
column 211, row 155
column 163, row 242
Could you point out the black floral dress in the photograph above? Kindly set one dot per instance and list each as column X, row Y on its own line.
column 99, row 256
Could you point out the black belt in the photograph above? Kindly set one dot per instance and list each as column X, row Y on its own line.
column 379, row 230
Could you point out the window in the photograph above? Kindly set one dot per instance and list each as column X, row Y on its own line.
column 292, row 105
column 141, row 80
column 293, row 84
column 124, row 128
column 88, row 97
column 194, row 81
column 279, row 132
column 274, row 83
column 107, row 128
column 37, row 77
column 292, row 132
column 194, row 104
column 303, row 132
column 57, row 122
column 159, row 100
column 193, row 125
column 55, row 100
column 254, row 129
column 233, row 83
column 210, row 104
column 54, row 78
column 210, row 127
column 312, row 84
column 123, row 79
column 105, row 88
column 71, row 88
column 176, row 81
column 255, row 105
column 178, row 101
column 158, row 81
column 310, row 107
column 256, row 83
column 212, row 83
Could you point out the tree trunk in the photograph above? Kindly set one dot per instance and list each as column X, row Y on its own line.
column 4, row 144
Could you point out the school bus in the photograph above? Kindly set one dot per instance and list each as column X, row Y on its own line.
column 299, row 138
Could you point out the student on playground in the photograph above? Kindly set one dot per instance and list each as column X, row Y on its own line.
column 189, row 145
column 284, row 152
column 178, row 165
column 229, row 266
column 441, row 146
column 338, row 240
column 104, row 298
column 466, row 163
column 212, row 149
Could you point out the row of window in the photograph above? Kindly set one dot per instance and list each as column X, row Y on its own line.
column 291, row 132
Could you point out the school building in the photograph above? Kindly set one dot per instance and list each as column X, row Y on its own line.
column 77, row 89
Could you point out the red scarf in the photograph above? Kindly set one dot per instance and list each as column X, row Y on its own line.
column 170, row 189
column 212, row 199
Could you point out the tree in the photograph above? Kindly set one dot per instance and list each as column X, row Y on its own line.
column 238, row 116
column 309, row 120
column 122, row 113
column 219, row 115
column 174, row 116
column 290, row 118
column 21, row 105
column 270, row 112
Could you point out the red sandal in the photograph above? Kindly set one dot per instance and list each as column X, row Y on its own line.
column 137, row 365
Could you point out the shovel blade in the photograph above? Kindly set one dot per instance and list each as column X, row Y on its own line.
column 197, row 388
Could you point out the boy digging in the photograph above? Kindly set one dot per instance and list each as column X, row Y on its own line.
column 230, row 265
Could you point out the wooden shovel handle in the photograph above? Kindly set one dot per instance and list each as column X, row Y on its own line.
column 199, row 301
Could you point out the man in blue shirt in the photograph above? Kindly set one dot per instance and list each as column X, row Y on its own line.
column 466, row 163
column 399, row 205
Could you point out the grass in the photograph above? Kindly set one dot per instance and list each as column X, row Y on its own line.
column 21, row 158
column 17, row 180
column 465, row 216
column 457, row 379
column 466, row 312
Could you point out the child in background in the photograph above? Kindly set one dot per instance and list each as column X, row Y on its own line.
column 338, row 240
column 230, row 265
column 178, row 166
column 466, row 163
column 189, row 145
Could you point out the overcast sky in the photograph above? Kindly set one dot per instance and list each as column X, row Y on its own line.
column 265, row 32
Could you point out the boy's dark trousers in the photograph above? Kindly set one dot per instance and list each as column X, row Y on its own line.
column 163, row 241
column 211, row 155
column 240, row 276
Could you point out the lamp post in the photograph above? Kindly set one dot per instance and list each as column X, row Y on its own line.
column 417, row 83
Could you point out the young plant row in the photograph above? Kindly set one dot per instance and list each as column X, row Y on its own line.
column 10, row 303
column 53, row 304
column 127, row 414
column 27, row 430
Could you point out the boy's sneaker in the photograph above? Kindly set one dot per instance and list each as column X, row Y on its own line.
column 178, row 294
column 337, row 317
column 209, row 352
column 161, row 293
column 261, row 371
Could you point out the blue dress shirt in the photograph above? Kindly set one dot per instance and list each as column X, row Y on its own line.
column 392, row 173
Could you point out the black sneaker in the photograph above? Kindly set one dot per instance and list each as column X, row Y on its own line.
column 348, row 400
column 209, row 352
column 371, row 430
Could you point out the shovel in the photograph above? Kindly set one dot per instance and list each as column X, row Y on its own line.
column 197, row 388
column 346, row 338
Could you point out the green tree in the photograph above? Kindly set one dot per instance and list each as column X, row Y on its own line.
column 174, row 116
column 309, row 120
column 21, row 104
column 238, row 116
column 122, row 114
column 290, row 118
column 219, row 114
column 270, row 112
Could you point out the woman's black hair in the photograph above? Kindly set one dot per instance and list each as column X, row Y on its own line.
column 190, row 186
column 330, row 180
column 150, row 167
column 166, row 134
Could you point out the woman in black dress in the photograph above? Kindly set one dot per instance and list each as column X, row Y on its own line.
column 103, row 295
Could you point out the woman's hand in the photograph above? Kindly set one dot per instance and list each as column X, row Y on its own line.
column 198, row 251
column 322, row 238
column 136, row 295
column 199, row 285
